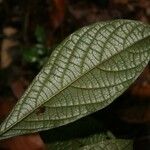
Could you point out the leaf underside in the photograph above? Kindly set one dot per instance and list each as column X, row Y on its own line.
column 94, row 142
column 85, row 73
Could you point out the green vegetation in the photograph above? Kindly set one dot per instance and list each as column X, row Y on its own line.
column 85, row 73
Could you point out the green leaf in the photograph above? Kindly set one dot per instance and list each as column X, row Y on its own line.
column 94, row 142
column 85, row 73
column 40, row 34
column 30, row 55
column 110, row 145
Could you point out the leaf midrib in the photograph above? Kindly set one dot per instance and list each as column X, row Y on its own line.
column 65, row 87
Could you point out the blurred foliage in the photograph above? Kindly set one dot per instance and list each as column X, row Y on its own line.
column 37, row 53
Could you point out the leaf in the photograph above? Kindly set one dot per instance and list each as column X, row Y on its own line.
column 58, row 13
column 40, row 34
column 85, row 73
column 94, row 142
column 110, row 145
column 25, row 142
column 141, row 88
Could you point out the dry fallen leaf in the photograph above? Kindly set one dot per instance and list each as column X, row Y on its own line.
column 57, row 16
column 9, row 31
column 26, row 142
column 18, row 87
column 141, row 88
column 5, row 106
column 6, row 45
column 139, row 113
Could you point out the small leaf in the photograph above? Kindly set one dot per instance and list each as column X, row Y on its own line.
column 30, row 55
column 84, row 74
column 29, row 142
column 58, row 13
column 40, row 34
column 94, row 142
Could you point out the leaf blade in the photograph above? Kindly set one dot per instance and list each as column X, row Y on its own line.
column 85, row 73
column 94, row 142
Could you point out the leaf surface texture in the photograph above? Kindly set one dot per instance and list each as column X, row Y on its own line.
column 94, row 142
column 85, row 73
